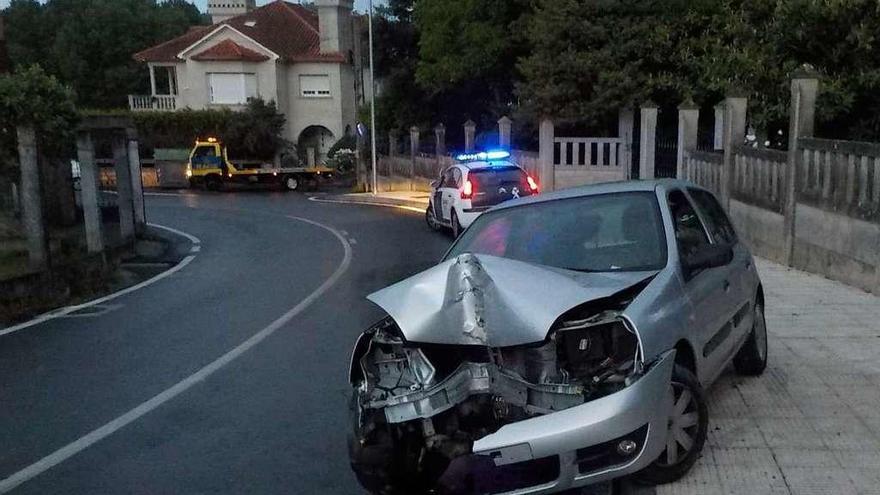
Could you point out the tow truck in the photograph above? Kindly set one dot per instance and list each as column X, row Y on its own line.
column 209, row 166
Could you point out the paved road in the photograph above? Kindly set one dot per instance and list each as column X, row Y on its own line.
column 274, row 419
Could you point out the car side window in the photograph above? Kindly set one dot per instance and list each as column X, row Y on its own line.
column 456, row 177
column 718, row 223
column 689, row 231
column 449, row 178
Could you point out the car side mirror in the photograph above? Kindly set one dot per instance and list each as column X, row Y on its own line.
column 434, row 184
column 709, row 257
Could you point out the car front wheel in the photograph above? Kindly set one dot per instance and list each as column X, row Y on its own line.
column 291, row 182
column 687, row 427
column 431, row 219
column 456, row 226
column 752, row 357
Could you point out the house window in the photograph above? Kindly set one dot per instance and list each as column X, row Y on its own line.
column 232, row 88
column 315, row 86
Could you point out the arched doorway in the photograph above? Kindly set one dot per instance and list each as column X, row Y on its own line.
column 314, row 143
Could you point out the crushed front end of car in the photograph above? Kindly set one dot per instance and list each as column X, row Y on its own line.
column 496, row 376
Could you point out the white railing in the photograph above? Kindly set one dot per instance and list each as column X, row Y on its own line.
column 166, row 103
column 589, row 152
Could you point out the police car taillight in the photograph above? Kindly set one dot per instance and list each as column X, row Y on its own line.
column 532, row 184
column 467, row 191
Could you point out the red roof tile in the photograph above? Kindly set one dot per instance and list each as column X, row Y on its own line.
column 228, row 50
column 289, row 30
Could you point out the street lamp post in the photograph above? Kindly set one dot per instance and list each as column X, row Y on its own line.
column 372, row 101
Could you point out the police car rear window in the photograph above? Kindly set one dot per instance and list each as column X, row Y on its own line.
column 497, row 175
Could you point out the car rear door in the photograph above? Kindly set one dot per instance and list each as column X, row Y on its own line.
column 497, row 184
column 707, row 290
column 451, row 183
column 438, row 197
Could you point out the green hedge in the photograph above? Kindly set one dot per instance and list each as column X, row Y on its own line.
column 255, row 132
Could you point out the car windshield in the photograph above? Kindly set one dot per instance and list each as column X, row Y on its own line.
column 609, row 232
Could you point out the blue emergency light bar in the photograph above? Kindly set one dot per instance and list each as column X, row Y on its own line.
column 483, row 156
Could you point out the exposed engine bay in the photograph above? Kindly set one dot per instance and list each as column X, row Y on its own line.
column 418, row 406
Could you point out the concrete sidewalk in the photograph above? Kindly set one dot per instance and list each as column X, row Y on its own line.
column 411, row 199
column 811, row 423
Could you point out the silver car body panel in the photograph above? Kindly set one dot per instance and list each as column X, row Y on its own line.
column 478, row 300
column 564, row 432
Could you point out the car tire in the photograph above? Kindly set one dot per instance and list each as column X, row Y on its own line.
column 431, row 219
column 290, row 182
column 751, row 359
column 456, row 226
column 688, row 423
column 213, row 183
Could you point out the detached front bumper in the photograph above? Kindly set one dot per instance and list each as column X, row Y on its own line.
column 584, row 438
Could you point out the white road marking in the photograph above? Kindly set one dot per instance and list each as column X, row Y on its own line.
column 195, row 240
column 346, row 202
column 69, row 309
column 195, row 249
column 108, row 429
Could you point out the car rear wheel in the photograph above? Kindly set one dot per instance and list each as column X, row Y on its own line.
column 213, row 183
column 431, row 219
column 456, row 226
column 752, row 356
column 687, row 425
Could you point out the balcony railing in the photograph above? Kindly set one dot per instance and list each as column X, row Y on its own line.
column 162, row 103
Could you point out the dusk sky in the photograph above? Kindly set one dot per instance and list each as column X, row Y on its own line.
column 202, row 4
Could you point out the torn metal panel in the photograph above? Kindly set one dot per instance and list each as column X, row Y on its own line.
column 492, row 301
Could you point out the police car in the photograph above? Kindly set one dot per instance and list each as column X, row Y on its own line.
column 475, row 183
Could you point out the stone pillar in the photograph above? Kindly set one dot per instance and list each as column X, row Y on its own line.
column 88, row 170
column 505, row 125
column 647, row 140
column 137, row 182
column 124, row 195
column 393, row 136
column 688, row 120
column 413, row 152
column 31, row 198
column 718, row 135
column 547, row 169
column 440, row 140
column 625, row 133
column 802, row 118
column 470, row 133
column 734, row 132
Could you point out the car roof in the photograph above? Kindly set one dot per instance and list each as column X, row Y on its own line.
column 602, row 188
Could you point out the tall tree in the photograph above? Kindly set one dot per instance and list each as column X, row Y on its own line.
column 88, row 44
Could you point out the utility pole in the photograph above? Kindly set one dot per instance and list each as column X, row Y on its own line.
column 372, row 101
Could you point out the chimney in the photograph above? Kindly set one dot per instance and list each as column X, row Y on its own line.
column 220, row 10
column 334, row 18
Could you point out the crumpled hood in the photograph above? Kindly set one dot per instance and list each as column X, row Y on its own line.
column 487, row 300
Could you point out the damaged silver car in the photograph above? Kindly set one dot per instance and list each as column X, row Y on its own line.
column 564, row 340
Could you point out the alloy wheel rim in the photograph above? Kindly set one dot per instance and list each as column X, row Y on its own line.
column 760, row 332
column 292, row 183
column 684, row 421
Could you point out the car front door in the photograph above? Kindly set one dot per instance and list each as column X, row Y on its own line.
column 707, row 290
column 743, row 283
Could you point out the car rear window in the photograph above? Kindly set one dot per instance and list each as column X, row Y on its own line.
column 495, row 176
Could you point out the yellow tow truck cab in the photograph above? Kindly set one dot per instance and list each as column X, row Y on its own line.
column 209, row 166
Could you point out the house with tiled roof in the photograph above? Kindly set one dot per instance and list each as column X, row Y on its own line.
column 303, row 58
